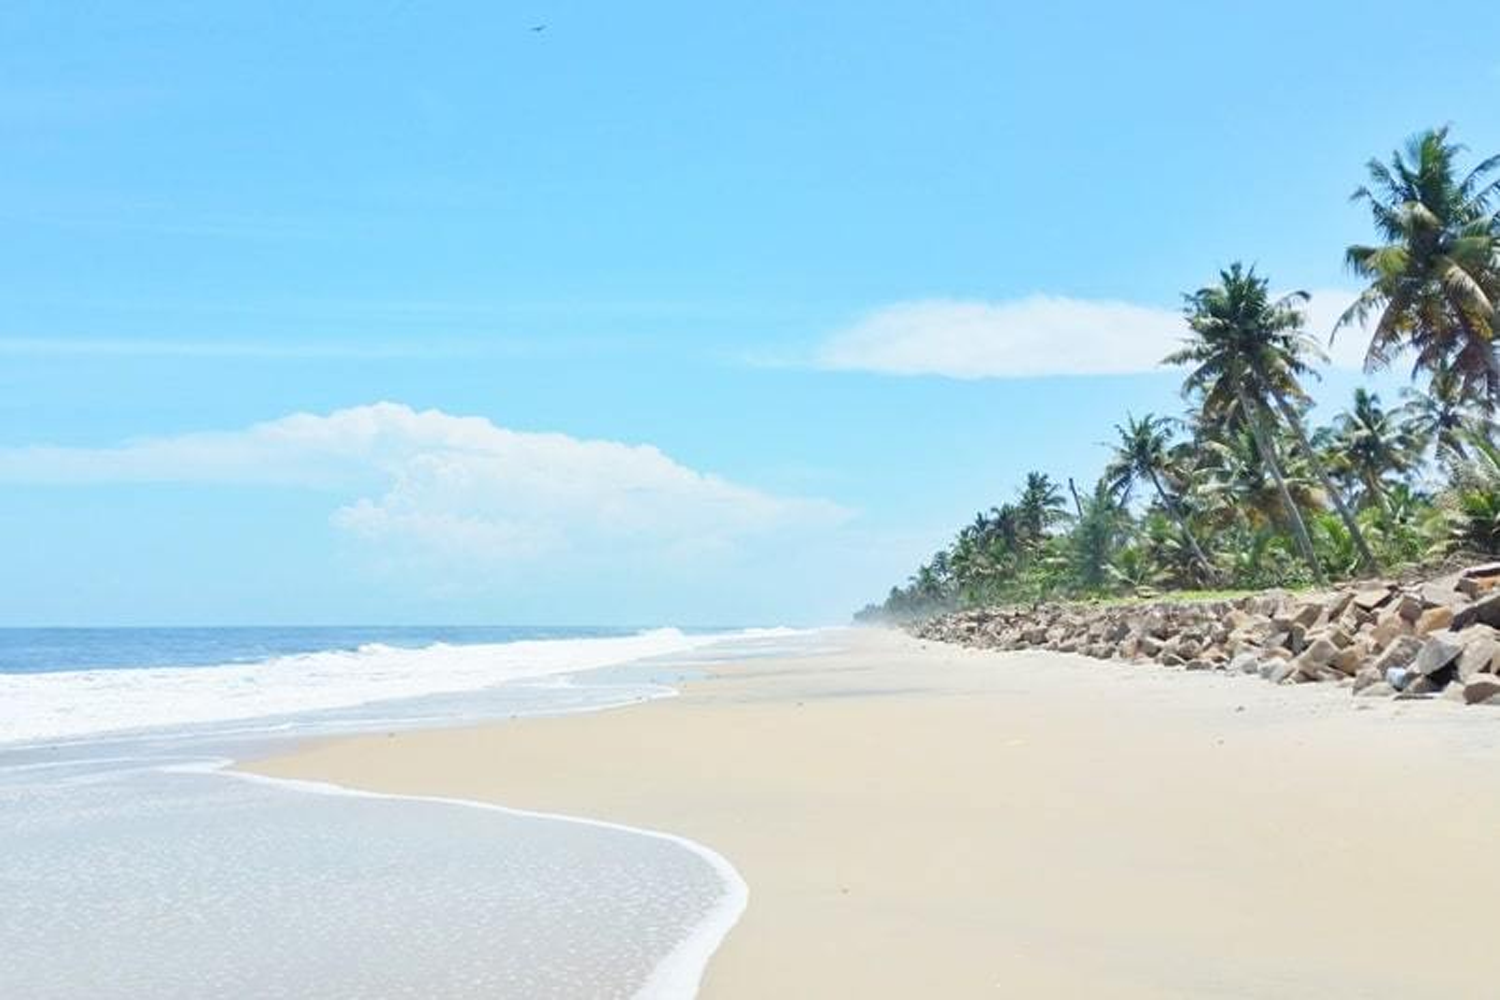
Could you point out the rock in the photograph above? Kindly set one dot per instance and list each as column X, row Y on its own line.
column 1264, row 605
column 1489, row 569
column 1481, row 650
column 1366, row 677
column 1318, row 653
column 1280, row 671
column 1481, row 688
column 1198, row 664
column 1388, row 627
column 1398, row 677
column 1340, row 635
column 1421, row 686
column 1436, row 654
column 1410, row 607
column 1149, row 645
column 1434, row 620
column 1400, row 653
column 1441, row 594
column 1372, row 598
column 1485, row 611
column 1237, row 619
column 1474, row 588
column 1379, row 690
column 1308, row 614
column 1348, row 659
column 1244, row 663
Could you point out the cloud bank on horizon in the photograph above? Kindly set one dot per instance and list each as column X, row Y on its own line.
column 460, row 489
column 1040, row 336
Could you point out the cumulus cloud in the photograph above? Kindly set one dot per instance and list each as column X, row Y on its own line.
column 1037, row 336
column 451, row 486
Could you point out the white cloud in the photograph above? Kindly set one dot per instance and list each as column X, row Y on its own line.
column 1037, row 336
column 450, row 487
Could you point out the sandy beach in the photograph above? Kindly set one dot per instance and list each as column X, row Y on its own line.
column 915, row 819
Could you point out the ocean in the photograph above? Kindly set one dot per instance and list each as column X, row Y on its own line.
column 134, row 863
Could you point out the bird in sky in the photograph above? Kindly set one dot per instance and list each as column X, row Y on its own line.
column 538, row 27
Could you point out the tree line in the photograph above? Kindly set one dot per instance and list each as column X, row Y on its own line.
column 1241, row 490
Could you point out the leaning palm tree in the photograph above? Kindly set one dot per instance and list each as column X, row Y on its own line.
column 1235, row 490
column 1239, row 335
column 1434, row 280
column 1143, row 452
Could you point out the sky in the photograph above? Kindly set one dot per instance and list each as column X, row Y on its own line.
column 653, row 313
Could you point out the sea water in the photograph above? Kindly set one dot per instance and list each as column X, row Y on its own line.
column 133, row 864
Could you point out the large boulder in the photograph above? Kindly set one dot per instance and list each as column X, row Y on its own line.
column 1481, row 688
column 1476, row 587
column 1347, row 660
column 1436, row 654
column 1389, row 626
column 1318, row 653
column 1442, row 593
column 1308, row 614
column 1481, row 650
column 1400, row 653
column 1371, row 598
column 1434, row 619
column 1410, row 607
column 1485, row 611
column 1244, row 663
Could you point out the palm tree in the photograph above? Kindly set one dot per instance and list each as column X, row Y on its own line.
column 1239, row 338
column 1096, row 538
column 1143, row 452
column 1039, row 507
column 1435, row 279
column 1444, row 415
column 1372, row 445
column 1235, row 488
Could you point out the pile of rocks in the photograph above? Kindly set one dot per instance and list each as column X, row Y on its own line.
column 1416, row 640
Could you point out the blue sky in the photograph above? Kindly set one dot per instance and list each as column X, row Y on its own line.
column 748, row 308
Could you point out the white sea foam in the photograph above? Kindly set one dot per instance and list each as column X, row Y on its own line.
column 80, row 703
column 676, row 976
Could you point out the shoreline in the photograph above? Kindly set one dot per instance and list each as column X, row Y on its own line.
column 677, row 975
column 914, row 816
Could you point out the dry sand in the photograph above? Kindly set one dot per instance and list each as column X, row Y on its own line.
column 917, row 820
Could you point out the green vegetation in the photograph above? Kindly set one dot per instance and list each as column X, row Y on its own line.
column 1238, row 492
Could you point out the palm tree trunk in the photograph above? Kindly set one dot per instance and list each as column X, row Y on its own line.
column 1077, row 503
column 1268, row 455
column 1366, row 558
column 1170, row 503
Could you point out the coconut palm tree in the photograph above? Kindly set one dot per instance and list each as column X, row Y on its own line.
column 1280, row 368
column 1434, row 280
column 1240, row 338
column 1234, row 488
column 1372, row 445
column 1144, row 452
column 1039, row 507
column 1443, row 416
